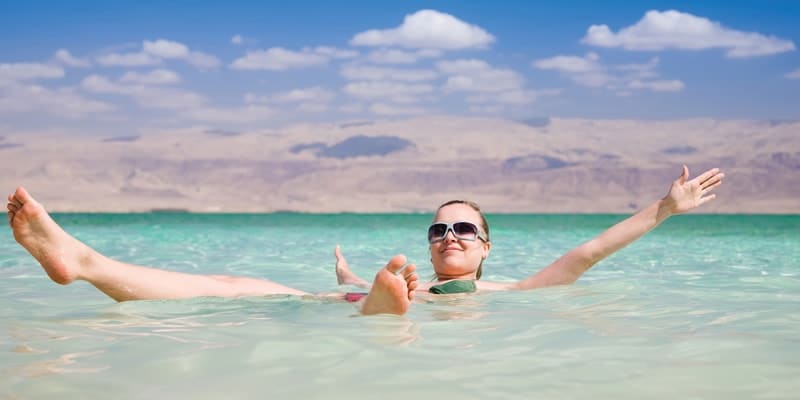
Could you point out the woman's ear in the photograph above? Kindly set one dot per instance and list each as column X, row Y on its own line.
column 487, row 247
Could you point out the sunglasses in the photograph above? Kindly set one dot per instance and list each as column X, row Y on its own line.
column 461, row 230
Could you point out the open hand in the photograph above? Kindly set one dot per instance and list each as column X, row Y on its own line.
column 685, row 194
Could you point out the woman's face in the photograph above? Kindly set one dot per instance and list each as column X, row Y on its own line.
column 455, row 258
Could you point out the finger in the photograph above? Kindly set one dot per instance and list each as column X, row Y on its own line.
column 10, row 217
column 712, row 180
column 706, row 175
column 710, row 188
column 12, row 207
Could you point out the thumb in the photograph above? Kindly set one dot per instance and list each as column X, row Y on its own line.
column 684, row 175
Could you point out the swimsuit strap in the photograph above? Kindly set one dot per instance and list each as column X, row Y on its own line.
column 456, row 286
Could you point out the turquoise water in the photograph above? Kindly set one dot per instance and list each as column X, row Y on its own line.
column 703, row 307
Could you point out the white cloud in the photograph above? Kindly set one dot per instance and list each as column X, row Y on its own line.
column 154, row 77
column 514, row 97
column 237, row 39
column 202, row 60
column 278, row 59
column 313, row 94
column 658, row 86
column 352, row 108
column 369, row 73
column 64, row 57
column 570, row 64
column 427, row 29
column 15, row 72
column 478, row 76
column 237, row 115
column 146, row 96
column 332, row 52
column 590, row 72
column 394, row 91
column 165, row 49
column 393, row 109
column 794, row 74
column 677, row 30
column 127, row 60
column 396, row 56
column 154, row 52
column 312, row 107
column 36, row 99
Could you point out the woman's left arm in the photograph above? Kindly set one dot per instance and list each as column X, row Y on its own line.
column 683, row 196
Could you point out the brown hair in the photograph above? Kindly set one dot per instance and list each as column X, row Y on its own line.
column 484, row 224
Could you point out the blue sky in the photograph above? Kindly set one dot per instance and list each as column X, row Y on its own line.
column 130, row 67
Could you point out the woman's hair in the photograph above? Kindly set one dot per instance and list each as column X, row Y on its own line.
column 484, row 223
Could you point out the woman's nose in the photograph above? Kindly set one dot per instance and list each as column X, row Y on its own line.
column 450, row 236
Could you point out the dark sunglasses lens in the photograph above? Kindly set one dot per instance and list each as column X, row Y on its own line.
column 436, row 231
column 465, row 230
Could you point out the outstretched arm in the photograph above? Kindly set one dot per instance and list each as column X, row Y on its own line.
column 683, row 196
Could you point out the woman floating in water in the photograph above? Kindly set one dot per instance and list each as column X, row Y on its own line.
column 459, row 244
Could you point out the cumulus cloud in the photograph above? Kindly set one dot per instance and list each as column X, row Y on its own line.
column 478, row 76
column 570, row 64
column 15, row 72
column 63, row 102
column 145, row 95
column 64, row 57
column 370, row 73
column 397, row 56
column 313, row 94
column 154, row 77
column 658, row 86
column 427, row 29
column 332, row 52
column 794, row 74
column 677, row 30
column 165, row 49
column 511, row 97
column 237, row 39
column 127, row 60
column 237, row 115
column 394, row 91
column 312, row 107
column 154, row 52
column 590, row 72
column 279, row 59
column 394, row 109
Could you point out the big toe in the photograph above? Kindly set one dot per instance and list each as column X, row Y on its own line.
column 396, row 263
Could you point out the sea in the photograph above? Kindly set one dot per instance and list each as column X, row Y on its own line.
column 702, row 307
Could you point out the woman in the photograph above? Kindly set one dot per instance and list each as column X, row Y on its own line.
column 459, row 243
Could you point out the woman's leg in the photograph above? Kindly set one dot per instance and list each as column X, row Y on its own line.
column 66, row 259
column 343, row 273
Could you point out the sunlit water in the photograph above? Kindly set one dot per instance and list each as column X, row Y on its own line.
column 703, row 307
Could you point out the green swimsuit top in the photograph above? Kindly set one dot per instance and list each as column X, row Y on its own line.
column 456, row 286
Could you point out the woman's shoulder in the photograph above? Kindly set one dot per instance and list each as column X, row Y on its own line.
column 484, row 285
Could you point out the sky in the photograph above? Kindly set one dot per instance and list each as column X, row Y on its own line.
column 82, row 67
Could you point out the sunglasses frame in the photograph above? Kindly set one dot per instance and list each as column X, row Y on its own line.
column 450, row 227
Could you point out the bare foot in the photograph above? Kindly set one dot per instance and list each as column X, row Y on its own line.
column 392, row 293
column 343, row 274
column 61, row 255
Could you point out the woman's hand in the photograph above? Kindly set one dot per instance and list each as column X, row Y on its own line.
column 685, row 194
